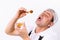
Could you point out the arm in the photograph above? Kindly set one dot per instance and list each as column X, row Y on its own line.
column 11, row 26
column 10, row 29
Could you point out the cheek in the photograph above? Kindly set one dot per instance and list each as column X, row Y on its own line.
column 45, row 20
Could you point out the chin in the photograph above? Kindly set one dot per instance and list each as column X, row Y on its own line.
column 38, row 24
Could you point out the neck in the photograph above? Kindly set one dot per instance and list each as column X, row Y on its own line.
column 40, row 29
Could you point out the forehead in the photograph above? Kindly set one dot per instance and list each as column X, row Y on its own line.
column 47, row 13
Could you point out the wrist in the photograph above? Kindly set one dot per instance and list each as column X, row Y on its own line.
column 16, row 17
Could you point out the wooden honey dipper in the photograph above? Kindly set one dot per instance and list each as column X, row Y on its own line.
column 31, row 11
column 22, row 11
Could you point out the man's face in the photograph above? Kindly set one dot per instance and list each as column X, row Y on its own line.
column 44, row 19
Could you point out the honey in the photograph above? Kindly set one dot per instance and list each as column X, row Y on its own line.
column 19, row 25
column 31, row 11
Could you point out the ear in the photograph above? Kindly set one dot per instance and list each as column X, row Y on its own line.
column 50, row 24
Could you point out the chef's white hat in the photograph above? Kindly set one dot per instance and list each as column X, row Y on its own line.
column 54, row 14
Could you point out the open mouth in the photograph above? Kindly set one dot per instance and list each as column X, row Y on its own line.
column 39, row 18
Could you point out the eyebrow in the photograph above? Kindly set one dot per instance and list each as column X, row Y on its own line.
column 47, row 13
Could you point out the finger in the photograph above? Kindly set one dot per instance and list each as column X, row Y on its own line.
column 24, row 25
column 22, row 8
column 23, row 14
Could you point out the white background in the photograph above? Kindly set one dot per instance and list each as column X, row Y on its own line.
column 8, row 9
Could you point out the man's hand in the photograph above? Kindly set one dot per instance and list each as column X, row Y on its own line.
column 22, row 32
column 11, row 30
column 21, row 13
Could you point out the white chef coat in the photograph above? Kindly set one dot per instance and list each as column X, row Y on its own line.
column 48, row 34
